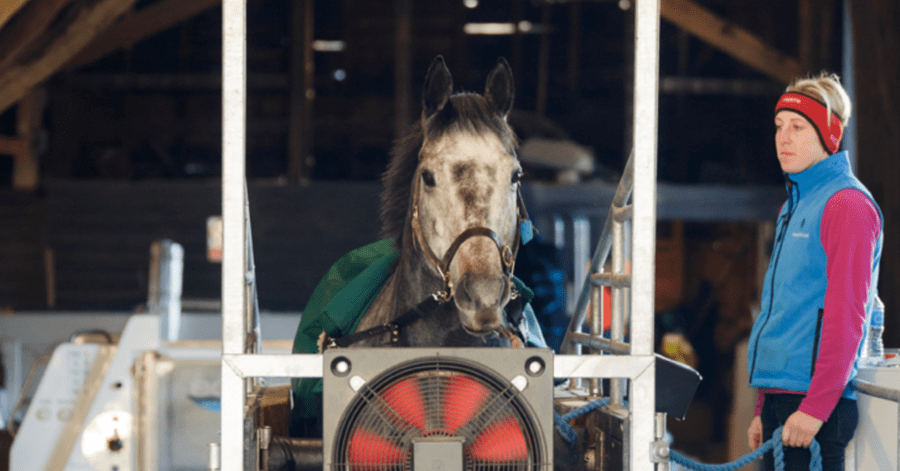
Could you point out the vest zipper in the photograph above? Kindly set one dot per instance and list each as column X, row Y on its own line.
column 779, row 241
column 815, row 350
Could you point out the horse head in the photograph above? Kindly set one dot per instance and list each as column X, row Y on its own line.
column 465, row 195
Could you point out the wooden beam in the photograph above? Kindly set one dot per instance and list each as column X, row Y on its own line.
column 731, row 39
column 16, row 81
column 28, row 124
column 26, row 167
column 32, row 22
column 573, row 66
column 876, row 109
column 302, row 91
column 403, row 47
column 139, row 25
column 13, row 146
column 806, row 19
column 9, row 9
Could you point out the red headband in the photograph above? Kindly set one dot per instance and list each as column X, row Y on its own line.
column 829, row 130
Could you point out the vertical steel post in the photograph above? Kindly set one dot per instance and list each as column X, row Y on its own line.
column 642, row 398
column 166, row 280
column 234, row 255
column 617, row 301
column 581, row 251
column 596, row 321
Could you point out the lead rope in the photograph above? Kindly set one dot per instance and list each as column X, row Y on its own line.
column 774, row 444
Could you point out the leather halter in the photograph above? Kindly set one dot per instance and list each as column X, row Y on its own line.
column 507, row 257
column 507, row 253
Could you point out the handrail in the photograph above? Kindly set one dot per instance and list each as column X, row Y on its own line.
column 877, row 391
column 601, row 253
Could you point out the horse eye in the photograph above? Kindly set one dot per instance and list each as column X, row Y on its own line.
column 516, row 177
column 428, row 178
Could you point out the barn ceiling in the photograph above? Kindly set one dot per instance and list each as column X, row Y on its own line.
column 38, row 38
column 573, row 67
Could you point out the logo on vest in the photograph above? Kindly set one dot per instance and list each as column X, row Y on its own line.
column 804, row 235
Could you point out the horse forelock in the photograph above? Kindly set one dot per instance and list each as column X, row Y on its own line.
column 464, row 113
column 471, row 113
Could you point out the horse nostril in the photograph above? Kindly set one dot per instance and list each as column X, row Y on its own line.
column 475, row 292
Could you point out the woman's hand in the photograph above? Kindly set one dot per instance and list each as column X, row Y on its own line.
column 754, row 433
column 800, row 429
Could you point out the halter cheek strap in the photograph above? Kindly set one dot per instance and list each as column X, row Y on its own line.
column 828, row 125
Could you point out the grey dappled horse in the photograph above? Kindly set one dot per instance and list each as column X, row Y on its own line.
column 451, row 203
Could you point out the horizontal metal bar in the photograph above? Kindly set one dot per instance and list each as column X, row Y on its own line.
column 604, row 344
column 877, row 391
column 601, row 366
column 615, row 280
column 275, row 365
column 624, row 213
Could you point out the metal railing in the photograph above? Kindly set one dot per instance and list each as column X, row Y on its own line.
column 241, row 362
column 882, row 392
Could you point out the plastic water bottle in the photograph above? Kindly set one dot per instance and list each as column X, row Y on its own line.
column 873, row 348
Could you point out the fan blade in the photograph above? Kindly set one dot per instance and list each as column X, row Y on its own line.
column 463, row 398
column 502, row 441
column 368, row 450
column 405, row 400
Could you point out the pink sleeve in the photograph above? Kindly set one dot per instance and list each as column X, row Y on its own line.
column 760, row 398
column 849, row 231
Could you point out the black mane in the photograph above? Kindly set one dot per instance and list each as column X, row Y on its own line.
column 464, row 112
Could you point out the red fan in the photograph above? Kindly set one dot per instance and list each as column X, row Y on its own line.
column 369, row 450
column 502, row 441
column 388, row 421
column 404, row 399
column 463, row 397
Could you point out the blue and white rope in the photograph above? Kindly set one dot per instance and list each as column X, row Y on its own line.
column 562, row 422
column 774, row 444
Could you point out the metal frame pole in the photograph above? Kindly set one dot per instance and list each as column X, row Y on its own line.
column 646, row 85
column 617, row 301
column 237, row 365
column 234, row 256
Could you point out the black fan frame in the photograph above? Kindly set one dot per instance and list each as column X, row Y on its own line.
column 369, row 394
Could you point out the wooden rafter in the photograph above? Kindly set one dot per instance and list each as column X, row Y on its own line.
column 139, row 25
column 9, row 9
column 28, row 125
column 27, row 28
column 12, row 145
column 17, row 80
column 731, row 39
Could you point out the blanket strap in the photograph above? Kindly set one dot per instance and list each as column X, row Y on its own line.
column 393, row 328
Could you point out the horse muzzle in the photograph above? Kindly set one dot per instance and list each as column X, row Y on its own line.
column 480, row 299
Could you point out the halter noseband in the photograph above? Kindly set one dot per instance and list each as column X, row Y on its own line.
column 507, row 254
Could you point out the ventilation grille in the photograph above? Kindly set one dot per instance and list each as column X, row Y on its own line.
column 439, row 410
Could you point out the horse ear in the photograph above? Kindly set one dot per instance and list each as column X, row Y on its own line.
column 438, row 87
column 499, row 88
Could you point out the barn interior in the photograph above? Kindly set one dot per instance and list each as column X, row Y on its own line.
column 112, row 138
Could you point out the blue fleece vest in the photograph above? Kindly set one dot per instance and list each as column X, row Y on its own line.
column 785, row 340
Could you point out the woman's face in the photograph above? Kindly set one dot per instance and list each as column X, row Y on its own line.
column 797, row 142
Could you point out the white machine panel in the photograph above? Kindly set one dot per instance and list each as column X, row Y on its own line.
column 52, row 406
column 877, row 434
column 84, row 421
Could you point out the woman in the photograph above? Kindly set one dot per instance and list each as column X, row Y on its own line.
column 820, row 284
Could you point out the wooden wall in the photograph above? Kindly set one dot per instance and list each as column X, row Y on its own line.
column 100, row 235
column 22, row 242
column 877, row 115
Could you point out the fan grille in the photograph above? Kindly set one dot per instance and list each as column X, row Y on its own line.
column 433, row 399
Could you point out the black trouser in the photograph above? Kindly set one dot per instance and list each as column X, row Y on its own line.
column 832, row 437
